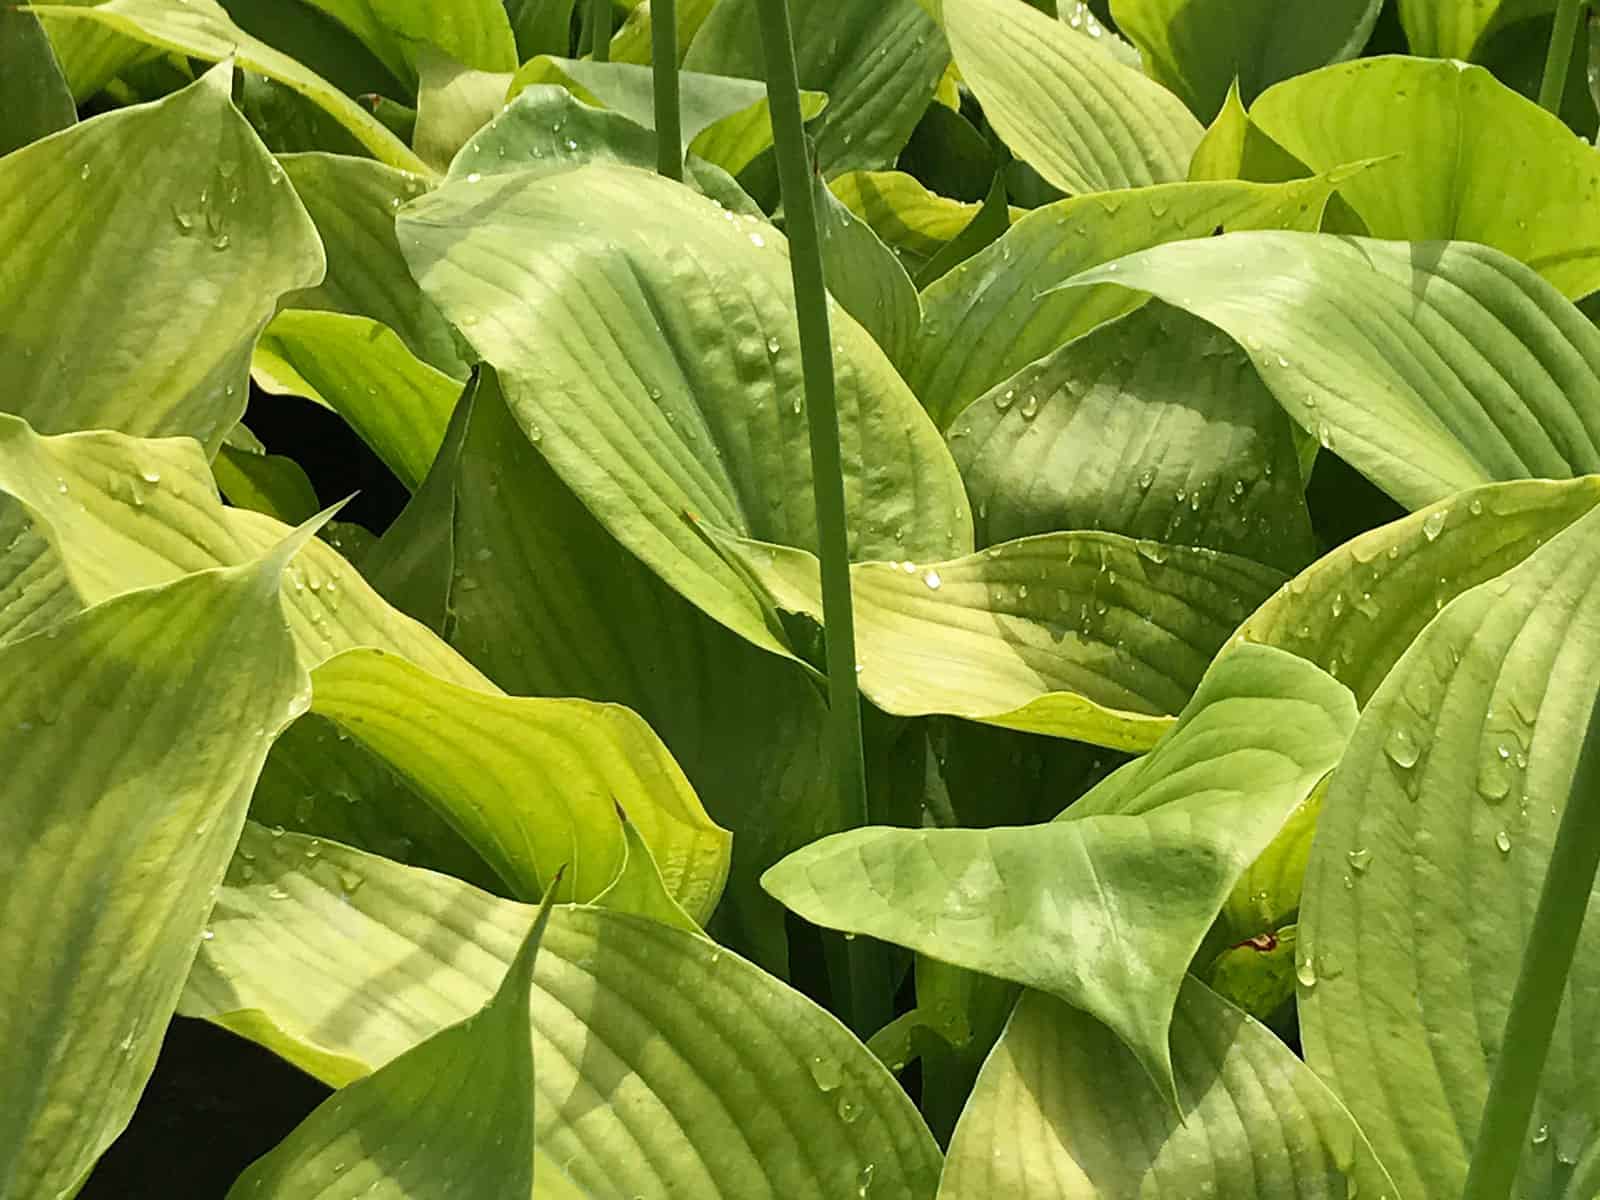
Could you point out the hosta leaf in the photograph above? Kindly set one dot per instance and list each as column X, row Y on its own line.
column 556, row 769
column 1198, row 49
column 546, row 131
column 528, row 783
column 1154, row 426
column 555, row 607
column 996, row 313
column 1105, row 906
column 1084, row 635
column 865, row 277
column 203, row 29
column 360, row 369
column 1459, row 366
column 646, row 342
column 321, row 43
column 540, row 26
column 912, row 221
column 1443, row 815
column 665, row 1064
column 353, row 202
column 633, row 41
column 475, row 33
column 638, row 887
column 451, row 1115
column 1084, row 121
column 1455, row 28
column 132, row 734
column 453, row 103
column 1357, row 609
column 34, row 97
column 721, row 119
column 156, row 342
column 1062, row 1112
column 267, row 483
column 878, row 61
column 1471, row 160
column 90, row 54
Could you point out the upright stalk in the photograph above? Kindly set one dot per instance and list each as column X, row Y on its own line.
column 1565, row 32
column 827, row 467
column 600, row 30
column 664, row 67
column 1542, row 981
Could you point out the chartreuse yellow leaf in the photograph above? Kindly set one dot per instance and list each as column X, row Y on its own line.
column 1466, row 159
column 523, row 780
column 132, row 734
column 453, row 1115
column 1442, row 818
column 664, row 1063
column 1062, row 1111
column 1106, row 906
column 1088, row 635
column 155, row 342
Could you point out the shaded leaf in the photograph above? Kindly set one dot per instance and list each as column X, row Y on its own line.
column 1460, row 366
column 453, row 103
column 474, row 33
column 267, row 483
column 1455, row 28
column 34, row 98
column 865, row 278
column 1154, row 426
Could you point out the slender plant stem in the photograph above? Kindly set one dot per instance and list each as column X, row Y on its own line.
column 827, row 469
column 1565, row 32
column 664, row 65
column 600, row 30
column 1542, row 981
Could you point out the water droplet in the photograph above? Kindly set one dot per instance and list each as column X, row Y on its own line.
column 1030, row 408
column 1502, row 842
column 848, row 1109
column 1306, row 972
column 277, row 831
column 1402, row 748
column 1360, row 860
column 1475, row 507
column 277, row 893
column 474, row 177
column 933, row 581
column 1433, row 524
column 85, row 171
column 864, row 1180
column 206, row 935
column 773, row 345
column 824, row 1072
column 757, row 240
column 1338, row 604
column 1004, row 400
column 1146, row 478
column 535, row 434
column 1541, row 1135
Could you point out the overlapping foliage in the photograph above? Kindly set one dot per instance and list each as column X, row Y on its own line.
column 1219, row 405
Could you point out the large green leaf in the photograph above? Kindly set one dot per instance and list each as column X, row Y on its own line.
column 878, row 61
column 908, row 218
column 1429, row 367
column 203, row 29
column 34, row 98
column 1442, row 819
column 1062, row 1112
column 453, row 103
column 361, row 370
column 996, row 312
column 353, row 202
column 475, row 33
column 158, row 341
column 1356, row 610
column 865, row 277
column 1084, row 121
column 721, row 119
column 666, row 1064
column 1456, row 28
column 1198, row 48
column 556, row 607
column 633, row 42
column 1105, row 906
column 645, row 338
column 1471, row 160
column 132, row 734
column 1154, row 426
column 1084, row 635
column 528, row 783
column 453, row 1115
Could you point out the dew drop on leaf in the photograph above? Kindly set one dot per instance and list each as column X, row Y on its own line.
column 825, row 1072
column 1305, row 972
column 1502, row 842
column 1402, row 748
column 1433, row 524
column 932, row 580
column 1360, row 860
